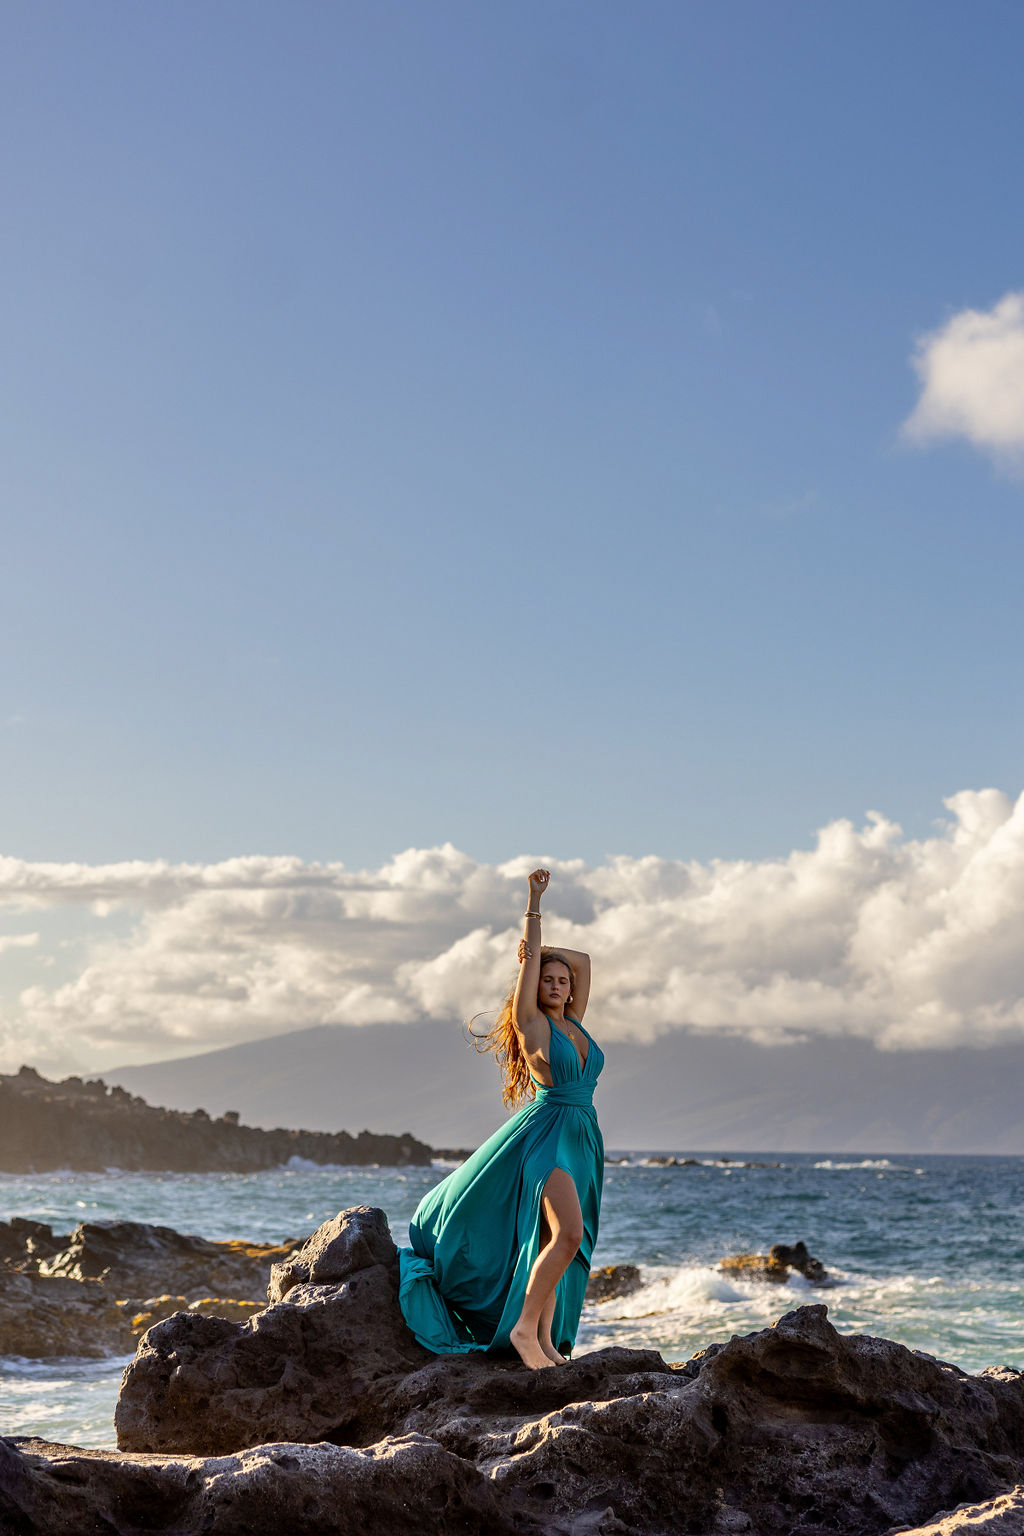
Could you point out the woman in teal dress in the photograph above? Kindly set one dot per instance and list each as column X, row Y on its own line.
column 501, row 1248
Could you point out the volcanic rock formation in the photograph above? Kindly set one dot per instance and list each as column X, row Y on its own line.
column 775, row 1265
column 86, row 1126
column 93, row 1292
column 613, row 1280
column 792, row 1429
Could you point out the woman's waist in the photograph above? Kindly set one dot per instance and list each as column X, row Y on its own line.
column 575, row 1095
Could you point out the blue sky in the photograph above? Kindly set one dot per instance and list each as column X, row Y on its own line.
column 483, row 424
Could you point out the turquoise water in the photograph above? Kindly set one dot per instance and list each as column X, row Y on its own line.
column 926, row 1250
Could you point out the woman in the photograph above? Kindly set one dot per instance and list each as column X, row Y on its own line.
column 501, row 1248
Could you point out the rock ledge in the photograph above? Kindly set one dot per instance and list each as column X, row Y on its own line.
column 792, row 1431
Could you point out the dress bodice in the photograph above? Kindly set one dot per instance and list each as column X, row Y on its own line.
column 573, row 1080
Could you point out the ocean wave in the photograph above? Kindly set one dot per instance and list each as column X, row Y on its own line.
column 697, row 1293
column 695, row 1289
column 687, row 1289
column 866, row 1162
column 296, row 1164
column 678, row 1311
column 60, row 1367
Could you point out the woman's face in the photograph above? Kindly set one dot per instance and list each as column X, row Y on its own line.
column 554, row 987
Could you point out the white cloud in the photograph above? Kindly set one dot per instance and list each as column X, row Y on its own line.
column 18, row 941
column 907, row 943
column 972, row 377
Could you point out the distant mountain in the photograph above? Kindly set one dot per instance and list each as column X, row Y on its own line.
column 337, row 1077
column 680, row 1093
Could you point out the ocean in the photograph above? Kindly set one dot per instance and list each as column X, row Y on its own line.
column 925, row 1250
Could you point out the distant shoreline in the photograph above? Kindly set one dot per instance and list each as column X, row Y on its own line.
column 88, row 1127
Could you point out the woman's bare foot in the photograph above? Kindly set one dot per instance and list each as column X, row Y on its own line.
column 552, row 1353
column 527, row 1347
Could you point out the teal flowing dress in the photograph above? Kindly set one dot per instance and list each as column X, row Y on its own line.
column 475, row 1235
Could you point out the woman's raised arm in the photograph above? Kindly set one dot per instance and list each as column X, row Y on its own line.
column 580, row 963
column 525, row 1015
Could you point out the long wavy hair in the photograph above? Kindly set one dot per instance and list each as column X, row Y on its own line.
column 504, row 1039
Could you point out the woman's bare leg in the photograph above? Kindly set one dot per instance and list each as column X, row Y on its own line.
column 560, row 1207
column 548, row 1312
column 544, row 1330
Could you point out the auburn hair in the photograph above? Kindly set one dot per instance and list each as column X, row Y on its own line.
column 504, row 1039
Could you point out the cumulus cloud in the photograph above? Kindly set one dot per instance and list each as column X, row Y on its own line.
column 972, row 378
column 908, row 943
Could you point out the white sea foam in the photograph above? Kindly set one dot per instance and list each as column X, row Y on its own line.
column 296, row 1164
column 66, row 1399
column 866, row 1162
column 686, row 1289
column 694, row 1289
column 679, row 1310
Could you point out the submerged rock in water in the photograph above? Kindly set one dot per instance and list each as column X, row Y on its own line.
column 775, row 1265
column 612, row 1281
column 793, row 1428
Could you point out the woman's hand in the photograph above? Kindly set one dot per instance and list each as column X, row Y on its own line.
column 525, row 952
column 539, row 884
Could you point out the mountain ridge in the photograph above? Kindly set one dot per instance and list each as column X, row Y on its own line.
column 683, row 1091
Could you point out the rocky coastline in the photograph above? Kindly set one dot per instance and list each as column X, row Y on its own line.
column 88, row 1127
column 319, row 1410
column 94, row 1292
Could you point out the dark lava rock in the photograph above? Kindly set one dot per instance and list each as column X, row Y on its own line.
column 312, row 1365
column 356, row 1239
column 792, row 1429
column 408, row 1485
column 23, row 1243
column 41, row 1318
column 797, row 1257
column 133, row 1258
column 94, row 1291
column 46, row 1125
column 613, row 1280
column 775, row 1265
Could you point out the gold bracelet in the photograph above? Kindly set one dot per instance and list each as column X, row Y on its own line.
column 532, row 914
